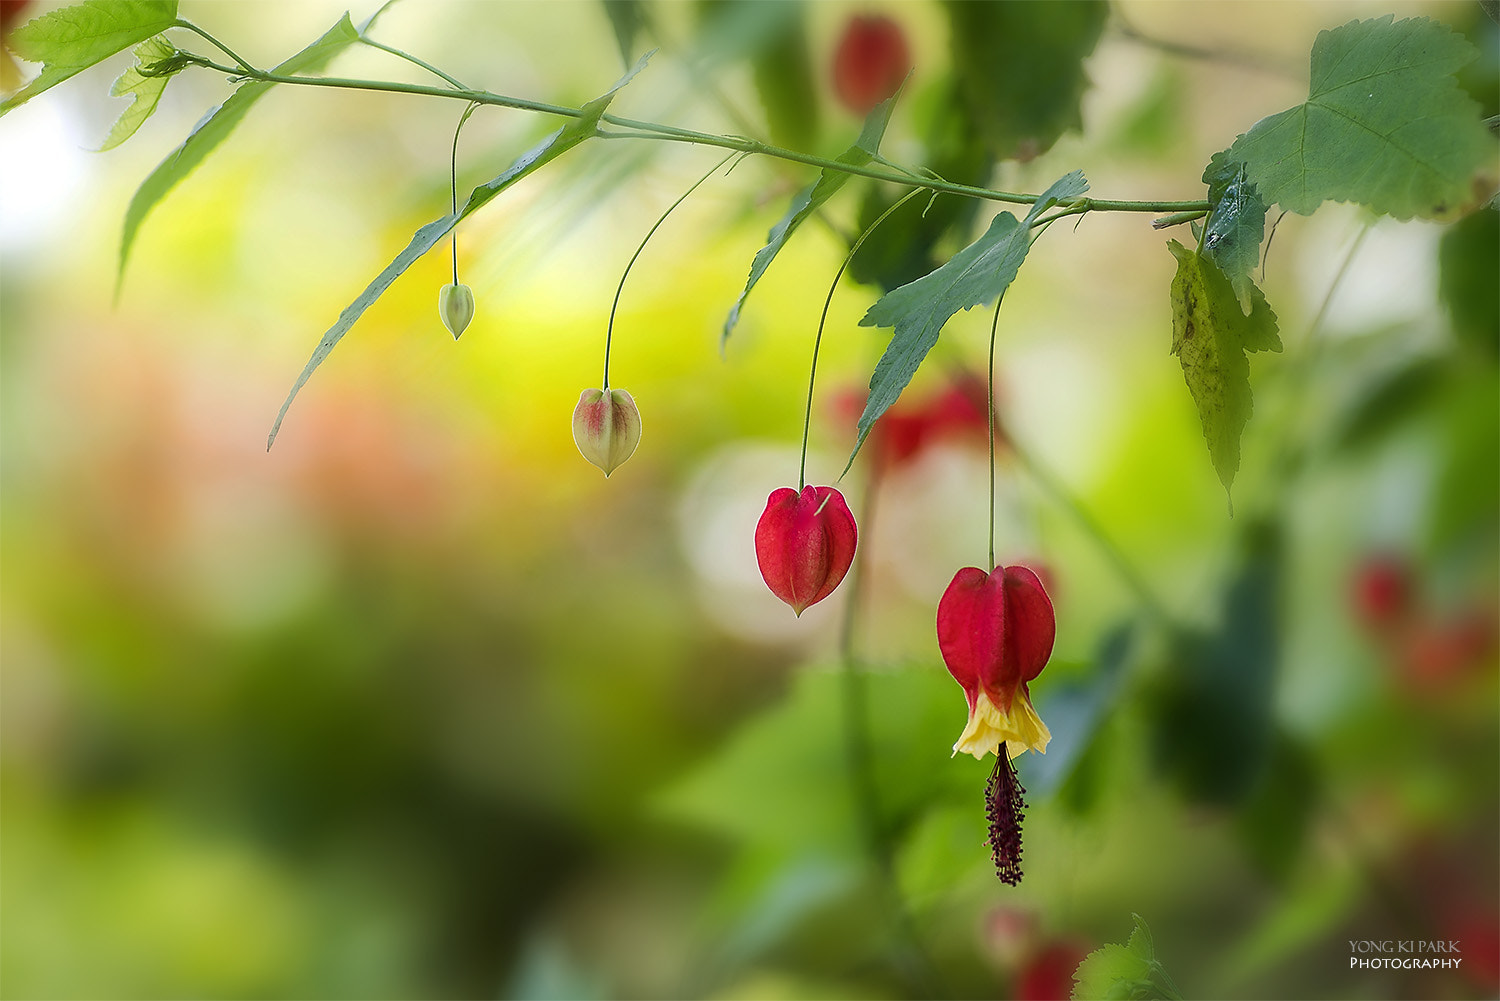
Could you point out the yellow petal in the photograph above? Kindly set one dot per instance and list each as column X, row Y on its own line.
column 1021, row 729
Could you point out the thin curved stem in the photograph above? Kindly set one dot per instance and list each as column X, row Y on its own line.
column 670, row 133
column 453, row 182
column 1290, row 453
column 190, row 26
column 609, row 331
column 812, row 376
column 413, row 60
column 1219, row 57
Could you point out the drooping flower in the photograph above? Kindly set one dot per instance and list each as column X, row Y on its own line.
column 996, row 632
column 606, row 427
column 804, row 544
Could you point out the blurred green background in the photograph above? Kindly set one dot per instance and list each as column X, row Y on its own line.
column 420, row 705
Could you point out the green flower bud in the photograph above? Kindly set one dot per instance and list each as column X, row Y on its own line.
column 607, row 427
column 456, row 306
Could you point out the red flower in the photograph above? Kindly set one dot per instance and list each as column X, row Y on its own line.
column 1433, row 655
column 996, row 632
column 904, row 430
column 1048, row 974
column 10, row 13
column 870, row 63
column 805, row 544
column 1382, row 592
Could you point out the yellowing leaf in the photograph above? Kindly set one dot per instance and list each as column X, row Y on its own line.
column 1211, row 336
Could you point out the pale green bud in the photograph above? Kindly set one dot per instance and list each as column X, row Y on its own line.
column 456, row 306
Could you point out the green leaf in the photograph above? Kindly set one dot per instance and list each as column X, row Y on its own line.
column 1468, row 260
column 1140, row 943
column 72, row 39
column 1392, row 399
column 145, row 89
column 784, row 80
column 768, row 784
column 1104, row 970
column 1276, row 817
column 1124, row 971
column 1210, row 336
column 1212, row 711
column 626, row 17
column 1020, row 68
column 1235, row 225
column 918, row 310
column 216, row 127
column 809, row 199
column 1385, row 125
column 427, row 237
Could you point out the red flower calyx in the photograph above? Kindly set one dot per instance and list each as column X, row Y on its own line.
column 804, row 544
column 996, row 632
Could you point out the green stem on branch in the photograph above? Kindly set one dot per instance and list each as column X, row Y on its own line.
column 190, row 26
column 411, row 59
column 671, row 133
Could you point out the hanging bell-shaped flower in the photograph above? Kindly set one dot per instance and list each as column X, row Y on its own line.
column 805, row 543
column 996, row 632
column 606, row 427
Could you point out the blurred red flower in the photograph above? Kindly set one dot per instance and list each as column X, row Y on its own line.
column 870, row 63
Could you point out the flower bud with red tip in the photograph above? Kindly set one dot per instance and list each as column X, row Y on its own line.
column 805, row 543
column 996, row 632
column 606, row 427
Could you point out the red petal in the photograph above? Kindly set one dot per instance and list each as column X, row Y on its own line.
column 996, row 631
column 968, row 629
column 805, row 544
column 1032, row 624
